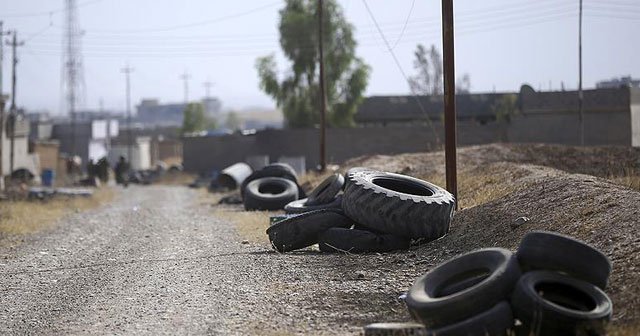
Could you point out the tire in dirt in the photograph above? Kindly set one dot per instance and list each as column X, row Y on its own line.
column 398, row 204
column 496, row 271
column 269, row 193
column 326, row 191
column 359, row 241
column 541, row 250
column 301, row 206
column 395, row 329
column 281, row 170
column 551, row 303
column 303, row 230
column 497, row 321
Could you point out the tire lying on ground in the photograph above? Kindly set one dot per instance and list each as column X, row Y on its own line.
column 301, row 206
column 358, row 241
column 496, row 272
column 395, row 329
column 398, row 204
column 496, row 321
column 281, row 170
column 303, row 230
column 540, row 250
column 550, row 303
column 326, row 191
column 269, row 193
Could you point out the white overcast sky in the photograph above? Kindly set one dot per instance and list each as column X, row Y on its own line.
column 500, row 43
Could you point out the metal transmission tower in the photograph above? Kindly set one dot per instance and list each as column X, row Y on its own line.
column 73, row 75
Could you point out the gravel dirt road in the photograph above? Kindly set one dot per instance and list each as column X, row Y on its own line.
column 156, row 261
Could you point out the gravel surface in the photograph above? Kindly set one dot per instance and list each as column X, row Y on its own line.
column 155, row 261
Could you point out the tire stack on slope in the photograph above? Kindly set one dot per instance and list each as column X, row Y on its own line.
column 552, row 285
column 378, row 212
column 270, row 188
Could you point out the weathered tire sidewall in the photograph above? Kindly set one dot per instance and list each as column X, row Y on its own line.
column 547, row 318
column 301, row 206
column 326, row 191
column 541, row 250
column 303, row 230
column 435, row 312
column 497, row 321
column 425, row 217
column 255, row 200
column 273, row 170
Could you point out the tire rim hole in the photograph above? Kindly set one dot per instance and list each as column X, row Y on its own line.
column 565, row 296
column 403, row 186
column 461, row 281
column 271, row 188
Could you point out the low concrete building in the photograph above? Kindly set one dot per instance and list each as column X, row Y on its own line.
column 140, row 152
column 90, row 139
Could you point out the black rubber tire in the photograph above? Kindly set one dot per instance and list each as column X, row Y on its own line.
column 359, row 241
column 303, row 230
column 301, row 206
column 326, row 191
column 395, row 329
column 497, row 321
column 398, row 204
column 348, row 175
column 541, row 250
column 551, row 303
column 428, row 306
column 282, row 170
column 269, row 193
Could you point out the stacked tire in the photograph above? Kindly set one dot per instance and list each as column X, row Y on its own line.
column 552, row 285
column 270, row 188
column 387, row 212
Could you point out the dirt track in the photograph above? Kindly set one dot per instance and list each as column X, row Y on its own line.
column 157, row 262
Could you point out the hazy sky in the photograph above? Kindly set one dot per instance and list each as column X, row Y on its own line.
column 500, row 43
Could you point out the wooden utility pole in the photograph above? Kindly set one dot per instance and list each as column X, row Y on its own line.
column 449, row 97
column 580, row 93
column 2, row 33
column 323, row 98
column 127, row 70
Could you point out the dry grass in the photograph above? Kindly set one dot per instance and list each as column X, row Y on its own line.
column 630, row 179
column 251, row 225
column 178, row 178
column 628, row 330
column 26, row 217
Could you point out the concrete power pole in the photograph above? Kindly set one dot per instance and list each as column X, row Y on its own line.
column 13, row 109
column 185, row 77
column 580, row 93
column 2, row 33
column 127, row 70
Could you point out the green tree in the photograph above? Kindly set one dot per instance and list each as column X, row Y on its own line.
column 194, row 119
column 346, row 75
column 429, row 78
column 504, row 109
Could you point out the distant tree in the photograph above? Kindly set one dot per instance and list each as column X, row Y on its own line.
column 233, row 121
column 463, row 84
column 504, row 109
column 194, row 119
column 346, row 75
column 428, row 64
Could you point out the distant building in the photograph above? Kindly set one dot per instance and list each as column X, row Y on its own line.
column 90, row 139
column 618, row 83
column 150, row 113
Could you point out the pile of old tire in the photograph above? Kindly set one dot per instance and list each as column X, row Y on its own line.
column 385, row 212
column 552, row 285
column 270, row 188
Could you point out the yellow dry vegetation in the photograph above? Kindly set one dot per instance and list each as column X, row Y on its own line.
column 26, row 217
column 250, row 225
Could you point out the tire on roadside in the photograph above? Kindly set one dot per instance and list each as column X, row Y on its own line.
column 398, row 204
column 497, row 321
column 269, row 193
column 301, row 206
column 326, row 191
column 541, row 250
column 496, row 271
column 360, row 241
column 551, row 303
column 303, row 230
column 281, row 170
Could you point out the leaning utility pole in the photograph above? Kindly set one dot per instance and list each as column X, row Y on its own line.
column 127, row 71
column 323, row 98
column 449, row 97
column 2, row 33
column 13, row 109
column 580, row 93
column 185, row 77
